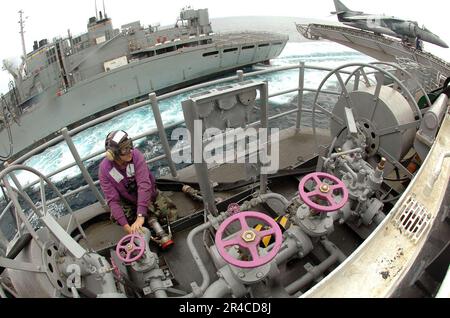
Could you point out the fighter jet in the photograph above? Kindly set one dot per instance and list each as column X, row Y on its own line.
column 382, row 24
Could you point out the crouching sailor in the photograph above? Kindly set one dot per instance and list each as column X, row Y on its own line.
column 130, row 189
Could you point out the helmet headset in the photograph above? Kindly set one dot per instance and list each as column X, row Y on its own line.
column 115, row 143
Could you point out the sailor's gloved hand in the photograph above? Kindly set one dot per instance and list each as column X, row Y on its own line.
column 137, row 226
column 127, row 229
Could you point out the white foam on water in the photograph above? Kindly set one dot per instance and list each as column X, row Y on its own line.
column 324, row 54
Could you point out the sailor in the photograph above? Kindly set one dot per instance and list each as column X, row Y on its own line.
column 419, row 43
column 130, row 187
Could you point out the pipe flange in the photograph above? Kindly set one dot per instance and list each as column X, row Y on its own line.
column 251, row 276
column 54, row 274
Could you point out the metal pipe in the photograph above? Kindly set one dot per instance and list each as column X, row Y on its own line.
column 433, row 117
column 292, row 67
column 86, row 175
column 3, row 243
column 20, row 190
column 312, row 274
column 240, row 75
column 162, row 133
column 276, row 196
column 262, row 198
column 218, row 289
column 348, row 152
column 198, row 86
column 8, row 206
column 287, row 91
column 37, row 150
column 198, row 261
column 282, row 114
column 350, row 170
column 301, row 80
column 2, row 292
column 335, row 256
column 157, row 286
column 296, row 243
column 288, row 249
column 331, row 248
column 264, row 100
column 313, row 90
column 20, row 215
column 108, row 283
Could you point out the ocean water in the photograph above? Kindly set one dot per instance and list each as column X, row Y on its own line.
column 324, row 54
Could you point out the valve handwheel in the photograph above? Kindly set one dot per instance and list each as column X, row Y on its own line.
column 234, row 208
column 249, row 239
column 130, row 248
column 325, row 191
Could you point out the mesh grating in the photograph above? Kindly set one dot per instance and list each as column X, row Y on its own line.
column 413, row 219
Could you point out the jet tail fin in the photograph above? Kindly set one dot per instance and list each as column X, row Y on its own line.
column 341, row 10
column 340, row 7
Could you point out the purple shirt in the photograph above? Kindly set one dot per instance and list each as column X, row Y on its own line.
column 116, row 183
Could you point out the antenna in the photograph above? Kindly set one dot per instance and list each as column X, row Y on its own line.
column 22, row 33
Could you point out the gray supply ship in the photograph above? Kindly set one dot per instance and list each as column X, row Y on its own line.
column 73, row 78
column 357, row 207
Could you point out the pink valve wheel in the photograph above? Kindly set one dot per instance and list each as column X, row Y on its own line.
column 249, row 239
column 234, row 208
column 130, row 248
column 323, row 190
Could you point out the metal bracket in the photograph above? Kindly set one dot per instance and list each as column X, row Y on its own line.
column 20, row 266
column 351, row 123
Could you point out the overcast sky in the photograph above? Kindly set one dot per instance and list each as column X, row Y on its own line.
column 51, row 18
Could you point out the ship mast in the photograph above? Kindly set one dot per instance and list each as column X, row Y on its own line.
column 22, row 33
column 104, row 9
